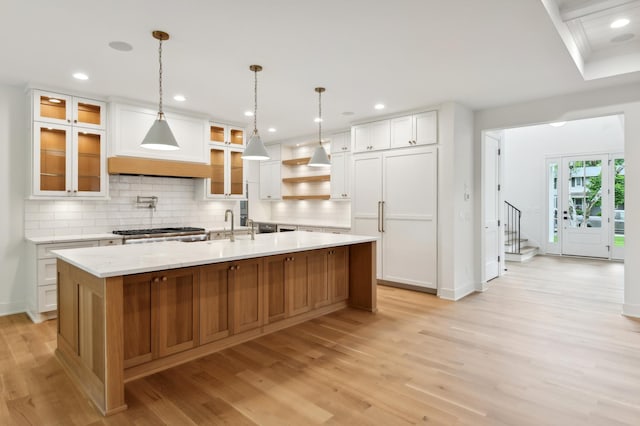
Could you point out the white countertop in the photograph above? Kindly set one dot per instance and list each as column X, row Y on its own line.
column 110, row 261
column 307, row 222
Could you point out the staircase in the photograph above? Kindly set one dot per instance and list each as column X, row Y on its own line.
column 516, row 248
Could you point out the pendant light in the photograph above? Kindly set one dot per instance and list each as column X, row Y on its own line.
column 319, row 158
column 255, row 148
column 159, row 135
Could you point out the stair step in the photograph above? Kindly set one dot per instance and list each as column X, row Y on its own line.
column 526, row 253
column 513, row 241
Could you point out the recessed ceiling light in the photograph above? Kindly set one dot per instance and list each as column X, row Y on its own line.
column 121, row 46
column 54, row 100
column 271, row 129
column 622, row 37
column 558, row 124
column 619, row 23
column 179, row 98
column 80, row 76
column 317, row 120
column 379, row 106
column 248, row 113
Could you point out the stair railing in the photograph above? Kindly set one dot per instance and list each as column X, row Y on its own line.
column 512, row 228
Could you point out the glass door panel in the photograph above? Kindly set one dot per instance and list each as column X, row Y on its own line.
column 617, row 251
column 53, row 159
column 236, row 136
column 585, row 206
column 89, row 162
column 236, row 173
column 217, row 134
column 553, row 239
column 217, row 172
column 89, row 113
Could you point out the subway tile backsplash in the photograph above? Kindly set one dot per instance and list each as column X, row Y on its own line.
column 177, row 206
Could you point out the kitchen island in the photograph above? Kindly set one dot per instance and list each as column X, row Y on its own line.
column 125, row 312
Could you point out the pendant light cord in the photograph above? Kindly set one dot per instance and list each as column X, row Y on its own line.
column 320, row 117
column 255, row 101
column 160, row 113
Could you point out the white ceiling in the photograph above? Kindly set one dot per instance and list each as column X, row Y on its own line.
column 407, row 54
column 598, row 50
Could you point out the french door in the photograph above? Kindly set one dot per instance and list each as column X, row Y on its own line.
column 584, row 219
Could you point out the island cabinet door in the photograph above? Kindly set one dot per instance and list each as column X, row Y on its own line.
column 176, row 309
column 160, row 314
column 297, row 283
column 318, row 277
column 276, row 306
column 214, row 302
column 246, row 288
column 338, row 273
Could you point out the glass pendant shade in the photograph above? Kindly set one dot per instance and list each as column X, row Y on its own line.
column 160, row 136
column 319, row 158
column 255, row 149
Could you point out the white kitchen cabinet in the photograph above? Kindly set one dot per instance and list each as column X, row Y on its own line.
column 68, row 146
column 270, row 180
column 340, row 142
column 340, row 173
column 271, row 174
column 371, row 136
column 42, row 291
column 395, row 198
column 56, row 108
column 417, row 129
column 131, row 123
column 227, row 173
column 226, row 134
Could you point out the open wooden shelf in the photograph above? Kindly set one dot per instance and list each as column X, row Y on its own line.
column 306, row 197
column 296, row 161
column 299, row 179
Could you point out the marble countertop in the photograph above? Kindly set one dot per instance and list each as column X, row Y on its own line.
column 110, row 261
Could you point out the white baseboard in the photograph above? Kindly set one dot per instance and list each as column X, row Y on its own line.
column 456, row 294
column 11, row 308
column 630, row 310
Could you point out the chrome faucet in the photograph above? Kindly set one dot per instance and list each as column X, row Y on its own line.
column 226, row 218
column 251, row 223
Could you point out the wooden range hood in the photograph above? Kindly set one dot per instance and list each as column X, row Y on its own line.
column 149, row 167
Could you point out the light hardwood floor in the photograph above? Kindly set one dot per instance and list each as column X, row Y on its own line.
column 545, row 345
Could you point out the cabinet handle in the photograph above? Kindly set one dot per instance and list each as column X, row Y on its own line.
column 69, row 191
column 75, row 121
column 75, row 190
column 382, row 217
column 231, row 268
column 156, row 280
column 68, row 121
column 164, row 278
column 379, row 215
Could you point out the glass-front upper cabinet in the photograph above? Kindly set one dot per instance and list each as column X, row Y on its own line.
column 227, row 173
column 64, row 109
column 226, row 135
column 68, row 161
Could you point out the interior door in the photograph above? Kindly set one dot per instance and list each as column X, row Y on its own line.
column 409, row 212
column 585, row 206
column 491, row 180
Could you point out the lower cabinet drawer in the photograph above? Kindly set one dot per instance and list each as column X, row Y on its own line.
column 44, row 250
column 47, row 298
column 47, row 271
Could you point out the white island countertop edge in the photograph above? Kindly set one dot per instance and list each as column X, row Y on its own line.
column 111, row 261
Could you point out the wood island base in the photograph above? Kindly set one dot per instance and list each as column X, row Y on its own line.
column 118, row 329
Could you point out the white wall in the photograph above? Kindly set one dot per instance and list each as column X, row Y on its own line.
column 456, row 246
column 525, row 150
column 618, row 100
column 13, row 157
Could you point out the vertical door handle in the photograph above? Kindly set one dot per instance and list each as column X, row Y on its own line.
column 379, row 215
column 382, row 217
